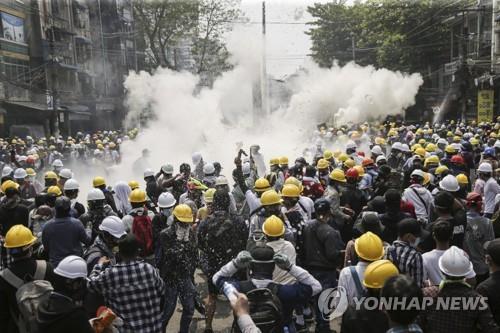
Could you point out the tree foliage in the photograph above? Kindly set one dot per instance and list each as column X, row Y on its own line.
column 399, row 35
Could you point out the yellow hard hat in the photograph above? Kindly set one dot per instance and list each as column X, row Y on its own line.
column 273, row 227
column 19, row 236
column 100, row 146
column 323, row 164
column 416, row 146
column 449, row 134
column 420, row 151
column 98, row 142
column 290, row 191
column 269, row 198
column 433, row 159
column 343, row 157
column 283, row 160
column 50, row 175
column 379, row 141
column 337, row 153
column 338, row 175
column 294, row 181
column 137, row 196
column 462, row 179
column 209, row 195
column 450, row 149
column 360, row 170
column 493, row 135
column 30, row 172
column 98, row 181
column 431, row 148
column 349, row 163
column 457, row 139
column 8, row 184
column 474, row 141
column 133, row 184
column 440, row 169
column 55, row 190
column 422, row 142
column 183, row 213
column 274, row 161
column 262, row 185
column 369, row 246
column 327, row 154
column 419, row 131
column 427, row 178
column 112, row 145
column 378, row 272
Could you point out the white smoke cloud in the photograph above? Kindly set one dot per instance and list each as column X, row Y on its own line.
column 213, row 121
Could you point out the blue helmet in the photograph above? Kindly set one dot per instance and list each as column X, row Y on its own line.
column 489, row 151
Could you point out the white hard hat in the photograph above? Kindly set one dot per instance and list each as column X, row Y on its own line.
column 148, row 173
column 245, row 168
column 20, row 173
column 208, row 169
column 457, row 146
column 442, row 141
column 166, row 200
column 350, row 145
column 380, row 158
column 196, row 157
column 6, row 171
column 167, row 168
column 66, row 173
column 71, row 184
column 22, row 158
column 95, row 194
column 485, row 167
column 57, row 163
column 397, row 146
column 377, row 150
column 72, row 267
column 454, row 262
column 405, row 148
column 221, row 180
column 97, row 152
column 113, row 225
column 449, row 184
column 497, row 144
column 418, row 172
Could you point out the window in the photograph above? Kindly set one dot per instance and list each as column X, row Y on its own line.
column 16, row 70
column 12, row 27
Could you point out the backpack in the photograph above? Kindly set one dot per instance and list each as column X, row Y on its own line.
column 265, row 309
column 29, row 296
column 143, row 231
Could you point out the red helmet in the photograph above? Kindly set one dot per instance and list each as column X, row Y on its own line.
column 361, row 153
column 30, row 159
column 367, row 162
column 352, row 173
column 474, row 199
column 457, row 159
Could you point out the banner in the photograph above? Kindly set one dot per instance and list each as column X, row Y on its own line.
column 13, row 27
column 485, row 106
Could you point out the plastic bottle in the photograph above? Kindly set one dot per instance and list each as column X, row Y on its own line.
column 230, row 291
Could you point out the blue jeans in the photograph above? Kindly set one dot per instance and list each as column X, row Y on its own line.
column 186, row 291
column 328, row 279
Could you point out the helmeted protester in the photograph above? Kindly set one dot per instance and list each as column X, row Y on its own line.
column 98, row 209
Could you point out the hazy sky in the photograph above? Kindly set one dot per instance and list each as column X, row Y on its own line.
column 287, row 44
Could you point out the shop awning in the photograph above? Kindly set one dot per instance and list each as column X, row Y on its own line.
column 83, row 40
column 30, row 105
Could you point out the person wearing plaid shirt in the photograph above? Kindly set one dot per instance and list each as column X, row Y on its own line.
column 132, row 288
column 403, row 253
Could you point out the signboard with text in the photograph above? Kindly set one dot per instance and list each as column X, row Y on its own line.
column 485, row 105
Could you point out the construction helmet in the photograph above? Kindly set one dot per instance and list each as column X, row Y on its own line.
column 98, row 181
column 18, row 236
column 327, row 154
column 367, row 162
column 209, row 195
column 349, row 163
column 431, row 160
column 343, row 157
column 50, row 175
column 338, row 175
column 449, row 184
column 183, row 213
column 273, row 227
column 95, row 194
column 430, row 148
column 462, row 179
column 474, row 141
column 270, row 197
column 30, row 172
column 208, row 169
column 420, row 152
column 290, row 191
column 57, row 163
column 54, row 190
column 72, row 267
column 369, row 247
column 450, row 149
column 20, row 173
column 148, row 173
column 221, row 181
column 262, row 185
column 485, row 168
column 274, row 161
column 352, row 173
column 283, row 160
column 440, row 169
column 323, row 164
column 137, row 196
column 422, row 142
column 114, row 226
column 133, row 184
column 378, row 272
column 167, row 200
column 457, row 159
column 380, row 141
column 294, row 181
column 71, row 184
column 416, row 146
column 454, row 262
column 66, row 173
column 360, row 170
column 493, row 135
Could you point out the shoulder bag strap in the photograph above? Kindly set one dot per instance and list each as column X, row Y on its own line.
column 356, row 280
column 11, row 278
column 41, row 268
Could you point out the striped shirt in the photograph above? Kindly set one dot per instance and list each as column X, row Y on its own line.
column 408, row 260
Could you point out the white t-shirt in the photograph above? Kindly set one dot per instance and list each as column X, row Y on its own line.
column 431, row 267
column 346, row 280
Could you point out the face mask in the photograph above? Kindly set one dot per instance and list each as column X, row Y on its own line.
column 166, row 212
column 415, row 242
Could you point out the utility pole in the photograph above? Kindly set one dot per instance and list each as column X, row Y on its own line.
column 464, row 50
column 263, row 76
column 54, row 117
column 103, row 53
